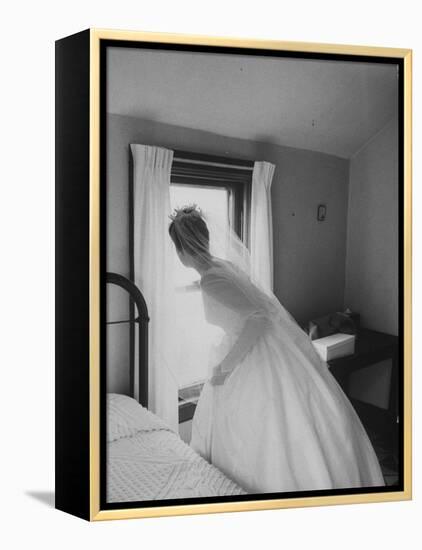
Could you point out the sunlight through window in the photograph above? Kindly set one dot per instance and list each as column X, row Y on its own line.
column 214, row 202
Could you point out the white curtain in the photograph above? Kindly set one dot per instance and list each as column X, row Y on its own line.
column 153, row 257
column 261, row 225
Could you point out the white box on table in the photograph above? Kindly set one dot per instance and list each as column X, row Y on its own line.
column 335, row 345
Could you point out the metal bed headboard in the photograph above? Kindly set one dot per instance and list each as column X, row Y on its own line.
column 136, row 299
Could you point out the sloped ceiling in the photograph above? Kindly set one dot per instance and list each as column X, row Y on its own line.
column 328, row 106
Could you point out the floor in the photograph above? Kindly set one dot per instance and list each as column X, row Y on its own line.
column 388, row 458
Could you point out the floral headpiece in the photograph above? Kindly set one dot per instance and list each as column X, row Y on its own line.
column 187, row 209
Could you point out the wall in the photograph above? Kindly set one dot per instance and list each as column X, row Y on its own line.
column 309, row 256
column 372, row 237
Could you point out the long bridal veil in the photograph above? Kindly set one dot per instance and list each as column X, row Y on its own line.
column 194, row 336
column 225, row 245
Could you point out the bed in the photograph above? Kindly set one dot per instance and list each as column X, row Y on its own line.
column 146, row 460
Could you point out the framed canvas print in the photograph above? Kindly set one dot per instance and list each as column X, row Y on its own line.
column 233, row 277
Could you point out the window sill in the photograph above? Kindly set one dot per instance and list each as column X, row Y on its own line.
column 188, row 399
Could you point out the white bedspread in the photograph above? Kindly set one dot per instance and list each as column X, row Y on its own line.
column 148, row 461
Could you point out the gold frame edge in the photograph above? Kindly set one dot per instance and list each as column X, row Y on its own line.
column 94, row 391
column 407, row 279
column 94, row 288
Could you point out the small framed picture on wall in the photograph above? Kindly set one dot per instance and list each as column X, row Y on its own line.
column 233, row 244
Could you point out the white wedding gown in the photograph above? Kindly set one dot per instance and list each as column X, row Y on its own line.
column 280, row 422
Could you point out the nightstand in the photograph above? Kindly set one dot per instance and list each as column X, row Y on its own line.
column 371, row 349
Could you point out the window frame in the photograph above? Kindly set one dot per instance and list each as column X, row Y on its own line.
column 233, row 175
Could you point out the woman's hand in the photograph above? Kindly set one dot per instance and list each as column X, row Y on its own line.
column 218, row 378
column 255, row 326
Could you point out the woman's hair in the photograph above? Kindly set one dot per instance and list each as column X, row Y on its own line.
column 189, row 232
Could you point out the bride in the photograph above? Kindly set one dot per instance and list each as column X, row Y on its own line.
column 271, row 416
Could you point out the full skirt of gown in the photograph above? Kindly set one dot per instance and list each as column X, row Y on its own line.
column 281, row 423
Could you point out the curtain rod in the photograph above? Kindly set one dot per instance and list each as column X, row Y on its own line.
column 200, row 158
column 218, row 164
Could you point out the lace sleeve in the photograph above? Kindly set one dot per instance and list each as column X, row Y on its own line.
column 232, row 293
column 240, row 297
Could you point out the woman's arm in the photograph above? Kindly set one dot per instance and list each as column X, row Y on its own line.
column 255, row 326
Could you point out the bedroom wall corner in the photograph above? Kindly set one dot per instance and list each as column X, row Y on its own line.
column 372, row 237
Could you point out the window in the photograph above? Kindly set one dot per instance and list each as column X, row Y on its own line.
column 199, row 173
column 216, row 200
column 222, row 187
